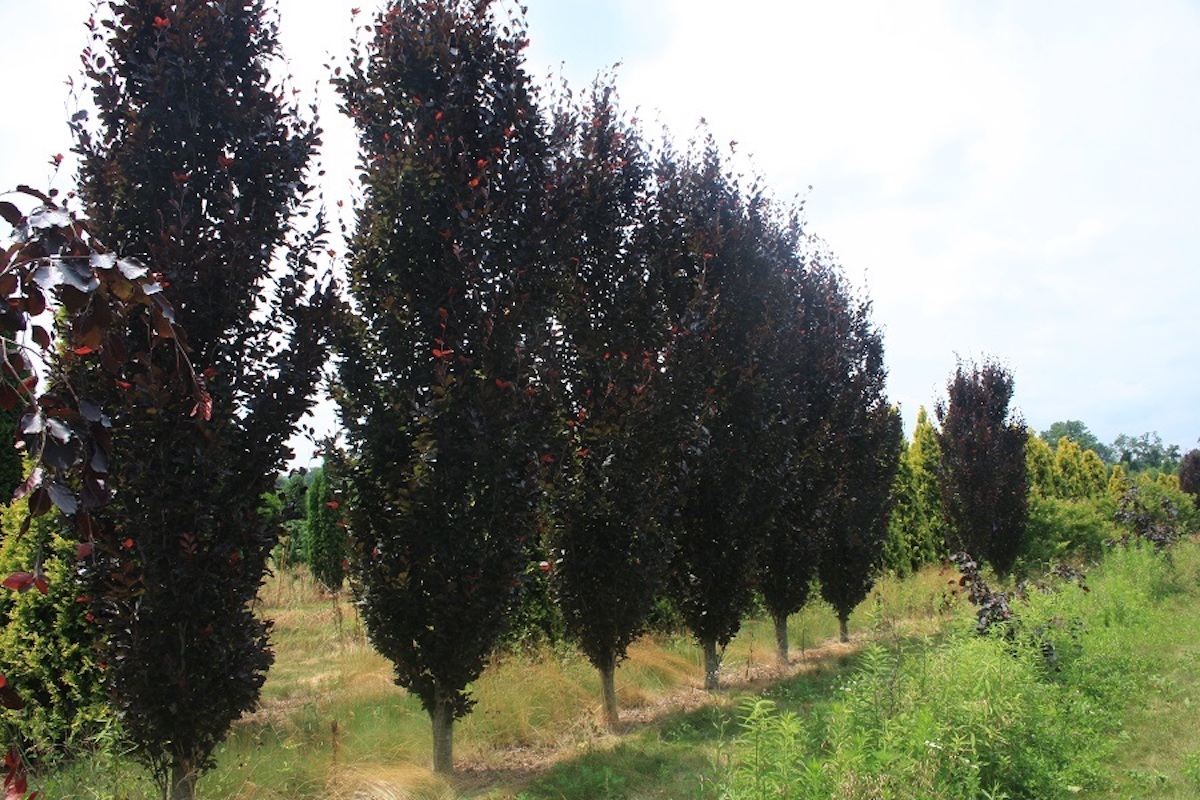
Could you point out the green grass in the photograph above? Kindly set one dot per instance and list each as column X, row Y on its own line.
column 333, row 724
column 1159, row 750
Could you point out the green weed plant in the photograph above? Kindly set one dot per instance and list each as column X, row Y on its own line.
column 1033, row 708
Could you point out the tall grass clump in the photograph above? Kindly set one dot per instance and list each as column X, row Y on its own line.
column 1030, row 708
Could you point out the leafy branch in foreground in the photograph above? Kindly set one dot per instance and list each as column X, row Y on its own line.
column 54, row 262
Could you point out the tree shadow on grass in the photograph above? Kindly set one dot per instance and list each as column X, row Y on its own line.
column 672, row 748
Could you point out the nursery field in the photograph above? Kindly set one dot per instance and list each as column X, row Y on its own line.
column 1093, row 693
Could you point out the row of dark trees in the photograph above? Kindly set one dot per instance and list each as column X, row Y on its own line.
column 558, row 339
column 566, row 340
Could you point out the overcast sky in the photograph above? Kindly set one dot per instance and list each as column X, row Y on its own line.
column 1017, row 180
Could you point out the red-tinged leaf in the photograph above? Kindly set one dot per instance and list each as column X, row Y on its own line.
column 583, row 453
column 86, row 528
column 31, row 482
column 39, row 502
column 440, row 354
column 83, row 351
column 11, row 214
column 35, row 301
column 3, row 681
column 503, row 385
column 127, row 544
column 8, row 283
column 41, row 584
column 546, row 458
column 24, row 188
column 18, row 581
column 84, row 550
column 204, row 406
column 41, row 337
column 16, row 783
column 162, row 23
column 333, row 505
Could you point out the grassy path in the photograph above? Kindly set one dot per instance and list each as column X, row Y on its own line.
column 1159, row 755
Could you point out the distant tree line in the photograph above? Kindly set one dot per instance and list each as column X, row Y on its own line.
column 1134, row 453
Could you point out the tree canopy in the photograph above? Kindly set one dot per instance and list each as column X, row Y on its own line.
column 1077, row 432
column 983, row 474
column 196, row 167
column 610, row 488
column 442, row 391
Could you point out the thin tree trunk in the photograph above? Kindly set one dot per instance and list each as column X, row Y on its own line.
column 442, row 717
column 844, row 625
column 712, row 665
column 183, row 781
column 781, row 639
column 608, row 689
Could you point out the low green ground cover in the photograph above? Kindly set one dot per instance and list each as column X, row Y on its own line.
column 1088, row 693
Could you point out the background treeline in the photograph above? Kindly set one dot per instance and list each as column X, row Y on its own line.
column 588, row 383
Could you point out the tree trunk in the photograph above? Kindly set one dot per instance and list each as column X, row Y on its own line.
column 712, row 665
column 608, row 689
column 844, row 625
column 442, row 717
column 781, row 639
column 183, row 781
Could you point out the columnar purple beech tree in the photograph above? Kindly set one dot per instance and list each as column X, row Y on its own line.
column 985, row 485
column 712, row 234
column 852, row 547
column 443, row 392
column 1189, row 473
column 860, row 455
column 609, row 494
column 195, row 166
column 802, row 376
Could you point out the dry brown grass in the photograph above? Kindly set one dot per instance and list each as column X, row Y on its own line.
column 331, row 703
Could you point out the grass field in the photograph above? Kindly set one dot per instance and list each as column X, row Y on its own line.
column 333, row 725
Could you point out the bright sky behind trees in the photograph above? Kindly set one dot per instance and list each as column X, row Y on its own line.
column 1014, row 179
